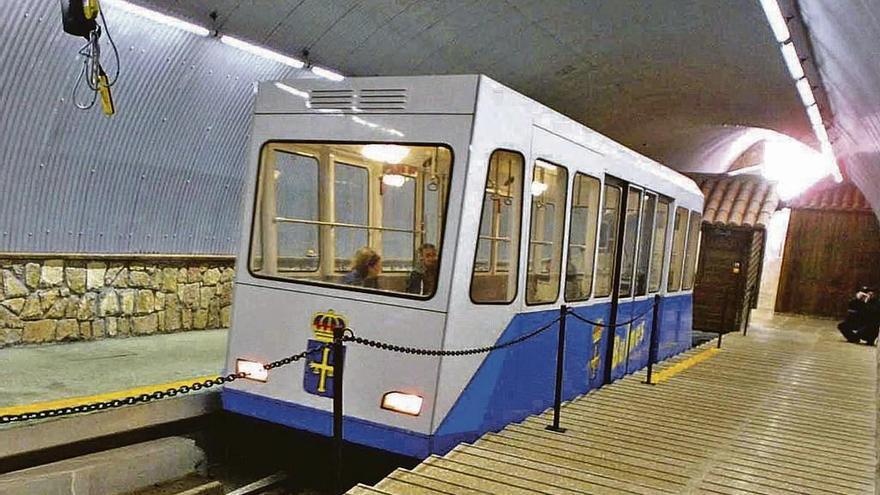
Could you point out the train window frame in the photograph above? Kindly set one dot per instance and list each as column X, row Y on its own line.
column 562, row 230
column 669, row 281
column 518, row 229
column 317, row 205
column 596, row 219
column 369, row 208
column 611, row 235
column 661, row 200
column 647, row 194
column 257, row 197
column 691, row 256
column 640, row 191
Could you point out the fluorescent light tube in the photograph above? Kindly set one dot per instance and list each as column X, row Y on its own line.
column 792, row 61
column 776, row 20
column 156, row 16
column 815, row 116
column 262, row 52
column 327, row 73
column 806, row 92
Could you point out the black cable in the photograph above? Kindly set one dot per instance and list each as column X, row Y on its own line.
column 110, row 83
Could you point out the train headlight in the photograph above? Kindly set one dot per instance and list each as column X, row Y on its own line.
column 403, row 403
column 253, row 369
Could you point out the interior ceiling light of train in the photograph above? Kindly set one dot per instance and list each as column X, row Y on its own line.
column 793, row 61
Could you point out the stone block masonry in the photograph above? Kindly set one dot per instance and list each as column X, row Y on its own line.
column 54, row 298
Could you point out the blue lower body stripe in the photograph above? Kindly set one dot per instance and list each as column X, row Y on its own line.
column 511, row 383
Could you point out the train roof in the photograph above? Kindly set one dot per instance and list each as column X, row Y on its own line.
column 438, row 94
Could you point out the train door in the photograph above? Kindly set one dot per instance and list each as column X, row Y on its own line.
column 625, row 297
column 558, row 264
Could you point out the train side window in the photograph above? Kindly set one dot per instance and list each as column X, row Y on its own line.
column 582, row 237
column 606, row 258
column 496, row 263
column 548, row 189
column 661, row 226
column 678, row 237
column 296, row 195
column 690, row 260
column 352, row 203
column 355, row 216
column 398, row 214
column 630, row 237
column 646, row 230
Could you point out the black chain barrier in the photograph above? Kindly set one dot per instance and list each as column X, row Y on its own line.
column 157, row 395
column 231, row 377
column 440, row 352
column 600, row 324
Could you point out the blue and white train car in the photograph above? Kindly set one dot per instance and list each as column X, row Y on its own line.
column 446, row 212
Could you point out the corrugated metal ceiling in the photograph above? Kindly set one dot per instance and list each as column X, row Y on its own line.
column 681, row 81
column 163, row 175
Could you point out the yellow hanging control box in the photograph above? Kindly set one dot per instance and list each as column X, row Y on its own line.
column 91, row 9
column 106, row 97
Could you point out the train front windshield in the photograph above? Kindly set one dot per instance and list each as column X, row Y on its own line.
column 362, row 216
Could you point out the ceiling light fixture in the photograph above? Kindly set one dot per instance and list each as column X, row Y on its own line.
column 393, row 180
column 792, row 61
column 777, row 20
column 156, row 16
column 814, row 115
column 806, row 92
column 387, row 153
column 538, row 188
column 779, row 25
column 262, row 52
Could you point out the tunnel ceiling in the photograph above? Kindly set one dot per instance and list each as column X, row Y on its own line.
column 665, row 77
column 691, row 83
column 648, row 74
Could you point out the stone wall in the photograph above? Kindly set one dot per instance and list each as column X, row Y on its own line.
column 84, row 298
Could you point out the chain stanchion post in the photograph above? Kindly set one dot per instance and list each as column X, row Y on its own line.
column 655, row 338
column 560, row 353
column 338, row 368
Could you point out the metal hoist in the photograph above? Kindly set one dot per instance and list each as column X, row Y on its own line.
column 80, row 18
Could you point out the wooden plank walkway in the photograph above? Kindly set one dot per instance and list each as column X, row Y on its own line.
column 789, row 409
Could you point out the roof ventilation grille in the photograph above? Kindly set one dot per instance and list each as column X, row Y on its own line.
column 377, row 100
column 331, row 99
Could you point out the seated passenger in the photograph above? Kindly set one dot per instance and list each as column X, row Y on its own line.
column 423, row 279
column 366, row 267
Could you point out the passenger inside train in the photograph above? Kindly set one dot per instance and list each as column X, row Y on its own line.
column 357, row 215
column 366, row 267
column 423, row 278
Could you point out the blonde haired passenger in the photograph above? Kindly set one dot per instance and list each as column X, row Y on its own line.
column 366, row 267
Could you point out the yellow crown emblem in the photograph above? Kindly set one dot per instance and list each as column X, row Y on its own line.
column 323, row 324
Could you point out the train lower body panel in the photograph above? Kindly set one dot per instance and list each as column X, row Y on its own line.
column 511, row 383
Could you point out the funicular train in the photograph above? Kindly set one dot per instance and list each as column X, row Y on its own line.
column 446, row 212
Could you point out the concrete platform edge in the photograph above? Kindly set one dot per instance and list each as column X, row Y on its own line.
column 110, row 472
column 25, row 439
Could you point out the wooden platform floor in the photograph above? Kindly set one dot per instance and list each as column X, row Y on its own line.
column 789, row 409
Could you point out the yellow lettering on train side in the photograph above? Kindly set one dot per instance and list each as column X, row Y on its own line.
column 595, row 361
column 622, row 347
